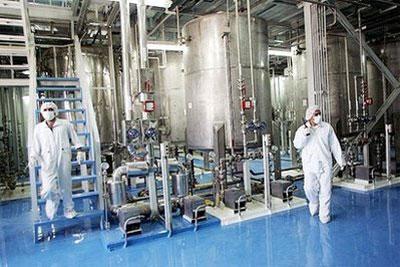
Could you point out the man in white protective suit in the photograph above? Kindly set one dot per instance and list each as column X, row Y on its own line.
column 317, row 142
column 51, row 148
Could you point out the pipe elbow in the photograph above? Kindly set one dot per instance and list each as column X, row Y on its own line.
column 121, row 170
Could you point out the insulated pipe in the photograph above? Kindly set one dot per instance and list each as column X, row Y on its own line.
column 125, row 24
column 141, row 12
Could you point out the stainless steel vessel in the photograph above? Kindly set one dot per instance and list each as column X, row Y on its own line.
column 341, row 82
column 211, row 75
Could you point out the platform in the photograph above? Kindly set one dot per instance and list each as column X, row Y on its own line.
column 114, row 238
column 365, row 187
column 255, row 209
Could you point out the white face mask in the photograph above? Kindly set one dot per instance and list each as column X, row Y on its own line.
column 48, row 115
column 317, row 119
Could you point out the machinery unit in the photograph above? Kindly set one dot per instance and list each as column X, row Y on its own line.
column 282, row 189
column 194, row 208
column 235, row 199
column 130, row 217
column 364, row 173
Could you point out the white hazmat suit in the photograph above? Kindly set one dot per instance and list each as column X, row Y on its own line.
column 52, row 149
column 317, row 144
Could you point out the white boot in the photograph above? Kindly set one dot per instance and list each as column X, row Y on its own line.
column 325, row 219
column 51, row 209
column 313, row 208
column 70, row 214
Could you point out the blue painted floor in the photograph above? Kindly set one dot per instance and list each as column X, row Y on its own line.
column 365, row 231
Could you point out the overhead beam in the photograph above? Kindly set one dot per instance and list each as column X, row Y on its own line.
column 82, row 15
column 41, row 12
column 113, row 14
column 14, row 82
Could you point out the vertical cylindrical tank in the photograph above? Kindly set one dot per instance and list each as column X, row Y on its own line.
column 391, row 58
column 211, row 75
column 170, row 95
column 340, row 82
column 338, row 51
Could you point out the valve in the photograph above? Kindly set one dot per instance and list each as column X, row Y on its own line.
column 133, row 134
column 151, row 133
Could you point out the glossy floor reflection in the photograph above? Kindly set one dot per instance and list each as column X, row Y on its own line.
column 365, row 231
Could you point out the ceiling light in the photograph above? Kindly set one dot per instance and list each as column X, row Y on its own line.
column 165, row 46
column 156, row 3
column 280, row 52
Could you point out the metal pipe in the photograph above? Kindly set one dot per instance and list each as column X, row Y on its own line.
column 114, row 108
column 266, row 140
column 388, row 129
column 253, row 90
column 230, row 97
column 55, row 61
column 151, row 182
column 363, row 65
column 141, row 13
column 125, row 40
column 166, row 193
column 118, row 172
column 356, row 95
column 240, row 80
column 346, row 51
column 178, row 27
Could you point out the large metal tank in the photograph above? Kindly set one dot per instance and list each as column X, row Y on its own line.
column 392, row 61
column 98, row 73
column 211, row 76
column 338, row 80
column 338, row 86
column 297, row 96
column 170, row 95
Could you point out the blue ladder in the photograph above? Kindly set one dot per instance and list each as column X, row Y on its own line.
column 67, row 94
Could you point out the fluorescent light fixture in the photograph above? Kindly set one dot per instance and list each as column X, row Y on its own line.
column 279, row 52
column 156, row 3
column 165, row 46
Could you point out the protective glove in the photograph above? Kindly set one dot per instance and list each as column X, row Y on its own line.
column 80, row 157
column 307, row 129
column 341, row 171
